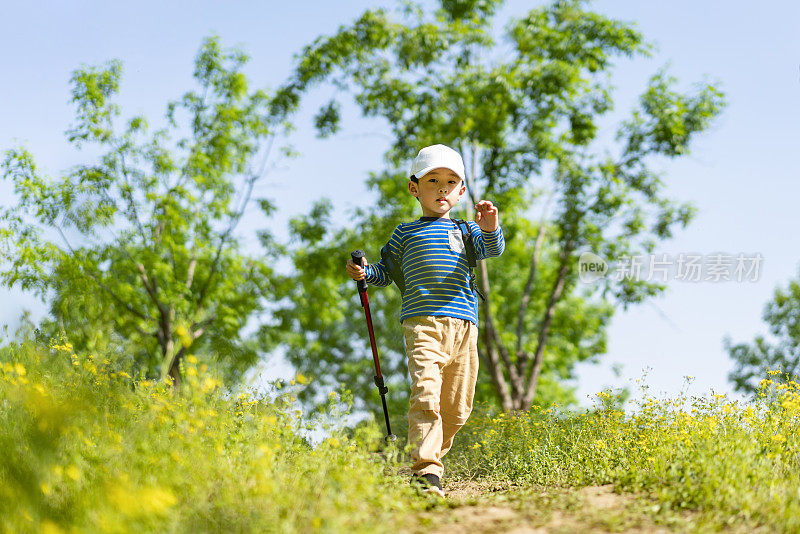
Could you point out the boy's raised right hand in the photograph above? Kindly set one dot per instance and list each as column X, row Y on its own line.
column 356, row 272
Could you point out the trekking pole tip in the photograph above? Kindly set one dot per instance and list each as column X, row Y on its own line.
column 391, row 438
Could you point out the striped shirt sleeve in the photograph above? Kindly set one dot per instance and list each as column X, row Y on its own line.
column 487, row 244
column 378, row 273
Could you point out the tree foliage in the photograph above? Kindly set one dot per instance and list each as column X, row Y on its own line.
column 753, row 361
column 526, row 115
column 143, row 242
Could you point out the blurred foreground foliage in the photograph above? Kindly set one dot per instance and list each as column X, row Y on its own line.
column 86, row 447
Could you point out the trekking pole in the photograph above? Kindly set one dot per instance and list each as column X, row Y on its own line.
column 358, row 257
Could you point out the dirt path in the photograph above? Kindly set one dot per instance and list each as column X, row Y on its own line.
column 483, row 508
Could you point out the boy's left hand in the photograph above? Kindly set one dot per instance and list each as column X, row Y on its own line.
column 486, row 216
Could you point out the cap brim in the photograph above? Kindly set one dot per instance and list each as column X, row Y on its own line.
column 426, row 170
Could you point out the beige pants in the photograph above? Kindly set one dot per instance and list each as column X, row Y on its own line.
column 443, row 364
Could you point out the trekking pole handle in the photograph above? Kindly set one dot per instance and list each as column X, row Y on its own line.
column 358, row 258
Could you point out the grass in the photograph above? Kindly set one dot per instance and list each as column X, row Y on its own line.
column 732, row 463
column 88, row 448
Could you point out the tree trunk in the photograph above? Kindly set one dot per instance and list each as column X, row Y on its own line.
column 170, row 361
column 175, row 367
column 522, row 357
column 492, row 361
column 494, row 343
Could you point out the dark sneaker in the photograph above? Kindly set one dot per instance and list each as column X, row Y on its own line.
column 430, row 483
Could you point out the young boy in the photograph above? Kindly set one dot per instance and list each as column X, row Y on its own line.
column 439, row 308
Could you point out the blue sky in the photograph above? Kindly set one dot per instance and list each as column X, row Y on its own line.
column 742, row 174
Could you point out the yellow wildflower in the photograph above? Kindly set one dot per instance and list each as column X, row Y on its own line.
column 48, row 527
column 142, row 502
column 301, row 379
column 184, row 335
column 209, row 384
column 73, row 472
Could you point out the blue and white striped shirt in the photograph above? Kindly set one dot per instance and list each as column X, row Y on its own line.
column 435, row 266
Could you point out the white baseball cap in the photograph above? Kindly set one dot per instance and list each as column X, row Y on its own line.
column 435, row 156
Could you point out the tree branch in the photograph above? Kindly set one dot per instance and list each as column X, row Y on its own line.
column 494, row 334
column 523, row 356
column 190, row 274
column 128, row 195
column 196, row 123
column 100, row 283
column 151, row 288
column 544, row 329
column 234, row 221
column 526, row 297
column 471, row 179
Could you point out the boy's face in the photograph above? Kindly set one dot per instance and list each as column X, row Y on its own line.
column 438, row 191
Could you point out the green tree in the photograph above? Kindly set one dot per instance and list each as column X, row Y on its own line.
column 530, row 118
column 753, row 361
column 142, row 243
